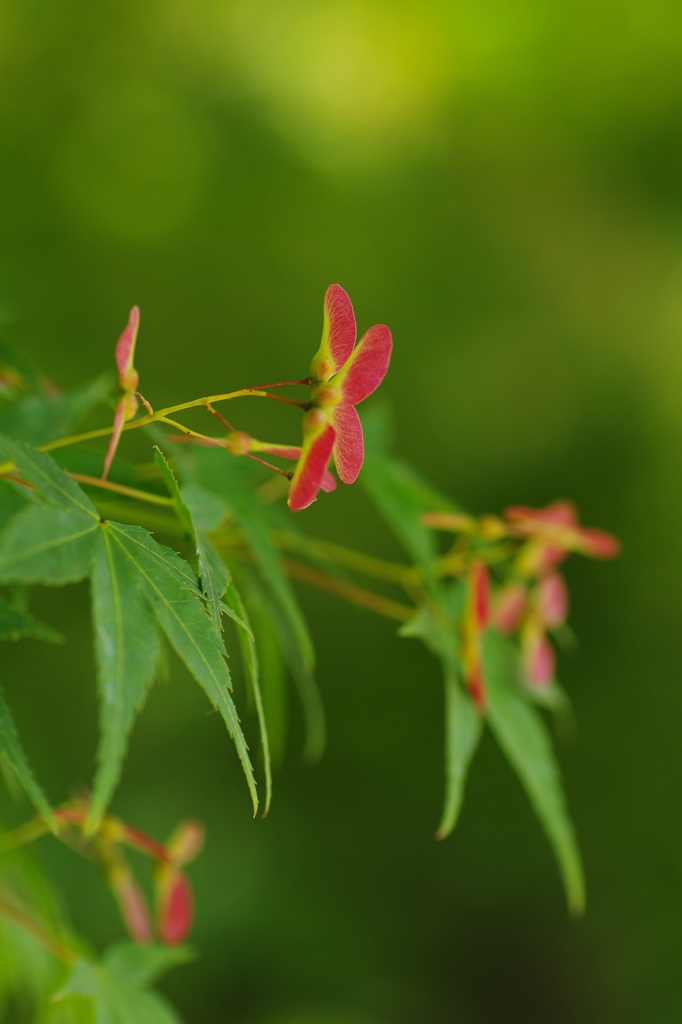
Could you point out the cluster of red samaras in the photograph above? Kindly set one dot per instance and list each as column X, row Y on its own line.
column 534, row 600
column 174, row 906
column 342, row 374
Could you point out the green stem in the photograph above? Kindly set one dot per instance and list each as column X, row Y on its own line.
column 144, row 421
column 233, row 542
column 128, row 492
column 203, row 402
column 368, row 565
column 24, row 834
column 39, row 933
column 349, row 591
column 186, row 432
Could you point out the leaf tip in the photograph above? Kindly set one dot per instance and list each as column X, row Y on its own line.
column 577, row 905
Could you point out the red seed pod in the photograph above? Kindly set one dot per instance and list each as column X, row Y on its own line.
column 480, row 595
column 553, row 600
column 174, row 904
column 558, row 531
column 343, row 375
column 125, row 352
column 131, row 902
column 509, row 606
column 538, row 657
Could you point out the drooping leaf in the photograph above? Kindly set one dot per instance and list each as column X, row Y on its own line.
column 314, row 719
column 462, row 734
column 15, row 623
column 302, row 676
column 553, row 698
column 311, row 701
column 126, row 647
column 10, row 749
column 250, row 658
column 272, row 679
column 462, row 721
column 234, row 483
column 258, row 537
column 401, row 497
column 171, row 588
column 523, row 737
column 126, row 562
column 199, row 512
column 397, row 494
column 117, row 986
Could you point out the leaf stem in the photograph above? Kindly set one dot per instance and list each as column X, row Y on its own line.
column 39, row 933
column 350, row 591
column 285, row 383
column 129, row 492
column 198, row 403
column 159, row 414
column 368, row 565
column 24, row 834
column 186, row 432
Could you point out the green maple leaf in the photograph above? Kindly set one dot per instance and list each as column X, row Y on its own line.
column 16, row 622
column 13, row 754
column 116, row 988
column 462, row 722
column 522, row 735
column 138, row 586
column 126, row 649
column 232, row 482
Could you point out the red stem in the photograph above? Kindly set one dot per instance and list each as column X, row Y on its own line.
column 283, row 384
column 220, row 416
column 290, row 401
column 269, row 465
column 17, row 480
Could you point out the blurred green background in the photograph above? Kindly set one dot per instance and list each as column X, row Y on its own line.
column 500, row 182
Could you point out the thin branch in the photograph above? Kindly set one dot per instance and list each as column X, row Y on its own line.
column 24, row 834
column 40, row 934
column 129, row 492
column 349, row 591
column 368, row 565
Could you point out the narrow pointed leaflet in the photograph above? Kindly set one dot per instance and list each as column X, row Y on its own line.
column 137, row 586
